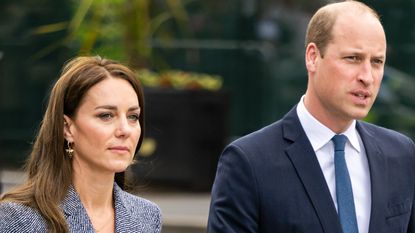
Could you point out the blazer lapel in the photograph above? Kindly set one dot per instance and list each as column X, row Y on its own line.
column 78, row 220
column 123, row 218
column 378, row 175
column 308, row 169
column 75, row 213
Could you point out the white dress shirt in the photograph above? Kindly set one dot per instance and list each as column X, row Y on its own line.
column 356, row 160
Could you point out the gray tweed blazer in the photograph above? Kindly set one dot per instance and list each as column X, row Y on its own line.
column 133, row 215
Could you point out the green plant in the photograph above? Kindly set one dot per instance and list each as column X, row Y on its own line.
column 120, row 29
column 180, row 80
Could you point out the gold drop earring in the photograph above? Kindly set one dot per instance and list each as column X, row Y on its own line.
column 69, row 151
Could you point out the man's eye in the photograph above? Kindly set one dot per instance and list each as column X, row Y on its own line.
column 377, row 61
column 353, row 58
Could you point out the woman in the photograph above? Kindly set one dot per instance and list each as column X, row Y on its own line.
column 88, row 137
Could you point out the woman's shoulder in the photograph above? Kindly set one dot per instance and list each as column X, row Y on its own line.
column 140, row 210
column 17, row 217
column 138, row 204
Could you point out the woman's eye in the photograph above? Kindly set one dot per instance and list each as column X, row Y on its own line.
column 105, row 116
column 134, row 117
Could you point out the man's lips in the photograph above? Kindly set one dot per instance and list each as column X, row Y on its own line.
column 363, row 94
column 361, row 97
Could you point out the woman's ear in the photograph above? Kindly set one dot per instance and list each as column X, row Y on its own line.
column 67, row 128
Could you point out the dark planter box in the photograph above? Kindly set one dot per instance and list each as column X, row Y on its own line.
column 190, row 131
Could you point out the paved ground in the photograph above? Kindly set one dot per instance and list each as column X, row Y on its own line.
column 183, row 212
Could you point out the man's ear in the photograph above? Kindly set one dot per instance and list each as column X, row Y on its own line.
column 67, row 128
column 312, row 54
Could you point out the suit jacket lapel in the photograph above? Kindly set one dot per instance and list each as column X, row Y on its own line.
column 308, row 169
column 75, row 213
column 123, row 218
column 378, row 175
column 78, row 219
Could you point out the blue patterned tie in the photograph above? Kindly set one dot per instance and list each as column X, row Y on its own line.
column 344, row 192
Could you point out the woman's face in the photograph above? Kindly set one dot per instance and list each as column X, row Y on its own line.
column 105, row 129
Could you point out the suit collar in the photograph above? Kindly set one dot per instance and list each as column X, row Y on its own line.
column 319, row 134
column 308, row 169
column 78, row 219
column 123, row 216
column 377, row 167
column 75, row 213
column 303, row 158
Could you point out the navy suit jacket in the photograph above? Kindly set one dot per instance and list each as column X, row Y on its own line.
column 270, row 181
column 132, row 215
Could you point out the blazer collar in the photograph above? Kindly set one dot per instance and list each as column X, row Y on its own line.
column 78, row 219
column 378, row 173
column 75, row 213
column 304, row 160
column 124, row 221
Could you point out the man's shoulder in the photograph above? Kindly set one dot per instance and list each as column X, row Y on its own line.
column 260, row 142
column 17, row 217
column 386, row 138
column 269, row 132
column 275, row 132
column 381, row 132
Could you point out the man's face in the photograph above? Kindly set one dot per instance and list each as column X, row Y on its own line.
column 346, row 79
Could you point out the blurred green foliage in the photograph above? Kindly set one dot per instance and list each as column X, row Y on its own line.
column 180, row 80
column 24, row 77
column 120, row 29
column 395, row 106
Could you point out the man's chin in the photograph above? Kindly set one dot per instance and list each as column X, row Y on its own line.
column 360, row 115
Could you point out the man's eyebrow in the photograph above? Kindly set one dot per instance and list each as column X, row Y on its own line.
column 381, row 57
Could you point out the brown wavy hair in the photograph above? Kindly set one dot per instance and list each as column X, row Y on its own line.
column 49, row 170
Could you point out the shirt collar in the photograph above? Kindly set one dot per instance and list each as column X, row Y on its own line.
column 318, row 134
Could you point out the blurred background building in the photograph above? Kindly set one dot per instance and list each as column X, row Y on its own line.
column 213, row 71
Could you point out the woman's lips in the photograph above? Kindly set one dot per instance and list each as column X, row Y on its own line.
column 119, row 149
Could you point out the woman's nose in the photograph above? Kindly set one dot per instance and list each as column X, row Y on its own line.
column 123, row 128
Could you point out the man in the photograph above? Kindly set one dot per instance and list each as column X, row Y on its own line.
column 293, row 175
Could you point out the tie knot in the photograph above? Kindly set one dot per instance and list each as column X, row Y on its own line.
column 339, row 141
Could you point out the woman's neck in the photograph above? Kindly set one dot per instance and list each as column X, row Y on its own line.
column 94, row 189
column 96, row 193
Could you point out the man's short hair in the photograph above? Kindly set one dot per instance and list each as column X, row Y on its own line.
column 320, row 27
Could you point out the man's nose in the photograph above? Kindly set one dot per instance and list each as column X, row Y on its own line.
column 366, row 73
